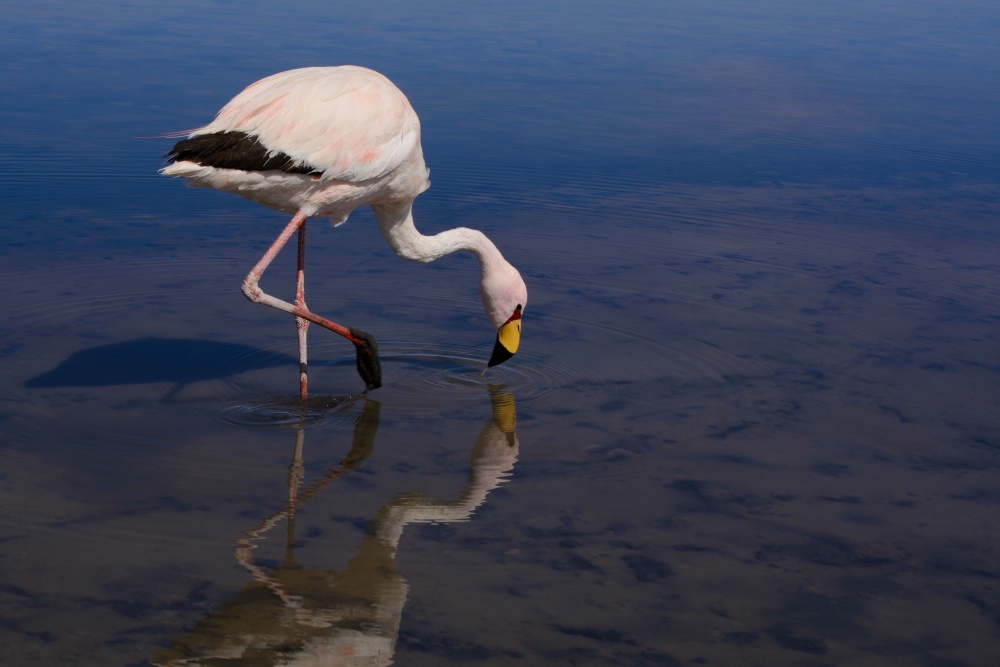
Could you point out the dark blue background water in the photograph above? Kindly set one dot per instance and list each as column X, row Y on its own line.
column 756, row 397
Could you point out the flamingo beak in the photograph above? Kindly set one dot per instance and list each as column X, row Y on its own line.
column 508, row 339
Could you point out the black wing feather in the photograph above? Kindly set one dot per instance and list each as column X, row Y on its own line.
column 235, row 150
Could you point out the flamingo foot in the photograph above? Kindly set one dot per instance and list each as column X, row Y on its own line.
column 369, row 366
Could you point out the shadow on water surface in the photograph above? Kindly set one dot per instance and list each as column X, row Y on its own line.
column 182, row 361
column 293, row 614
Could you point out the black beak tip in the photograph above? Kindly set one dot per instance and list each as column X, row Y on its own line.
column 500, row 355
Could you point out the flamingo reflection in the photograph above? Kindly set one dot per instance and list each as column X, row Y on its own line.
column 348, row 618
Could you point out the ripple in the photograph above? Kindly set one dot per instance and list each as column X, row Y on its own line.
column 431, row 380
column 288, row 411
column 556, row 371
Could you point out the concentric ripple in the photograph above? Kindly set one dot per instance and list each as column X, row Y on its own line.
column 287, row 411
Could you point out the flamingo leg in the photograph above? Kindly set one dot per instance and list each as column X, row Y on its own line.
column 369, row 367
column 301, row 324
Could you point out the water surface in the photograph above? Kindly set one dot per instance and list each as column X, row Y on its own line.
column 752, row 420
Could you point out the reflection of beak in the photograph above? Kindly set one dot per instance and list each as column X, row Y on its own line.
column 504, row 411
column 508, row 338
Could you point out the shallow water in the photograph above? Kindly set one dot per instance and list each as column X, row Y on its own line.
column 752, row 421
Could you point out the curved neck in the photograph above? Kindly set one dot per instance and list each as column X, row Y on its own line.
column 396, row 223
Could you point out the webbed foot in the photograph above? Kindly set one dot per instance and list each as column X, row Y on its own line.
column 369, row 366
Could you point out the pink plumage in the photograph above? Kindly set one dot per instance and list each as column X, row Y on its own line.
column 321, row 141
column 350, row 124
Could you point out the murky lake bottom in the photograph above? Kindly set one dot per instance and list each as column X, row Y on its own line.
column 747, row 426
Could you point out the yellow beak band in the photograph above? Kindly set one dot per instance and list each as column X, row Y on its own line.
column 508, row 338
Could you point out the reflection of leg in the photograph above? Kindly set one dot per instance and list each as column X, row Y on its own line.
column 364, row 435
column 369, row 367
column 300, row 302
column 361, row 448
column 364, row 442
column 296, row 472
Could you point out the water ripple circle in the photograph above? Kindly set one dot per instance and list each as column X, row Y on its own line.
column 290, row 411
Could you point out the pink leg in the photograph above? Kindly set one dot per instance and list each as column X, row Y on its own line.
column 300, row 302
column 367, row 351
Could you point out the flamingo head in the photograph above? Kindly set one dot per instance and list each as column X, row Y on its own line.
column 504, row 298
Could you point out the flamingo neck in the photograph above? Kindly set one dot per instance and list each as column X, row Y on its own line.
column 396, row 223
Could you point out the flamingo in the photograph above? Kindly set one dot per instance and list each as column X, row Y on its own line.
column 322, row 141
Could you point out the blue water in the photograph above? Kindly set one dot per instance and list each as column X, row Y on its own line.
column 752, row 421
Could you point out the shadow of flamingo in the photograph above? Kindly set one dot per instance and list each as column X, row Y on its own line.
column 180, row 361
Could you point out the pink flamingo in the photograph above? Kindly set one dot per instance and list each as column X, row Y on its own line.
column 321, row 141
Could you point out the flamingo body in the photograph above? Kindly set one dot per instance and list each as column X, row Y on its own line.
column 336, row 137
column 321, row 141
